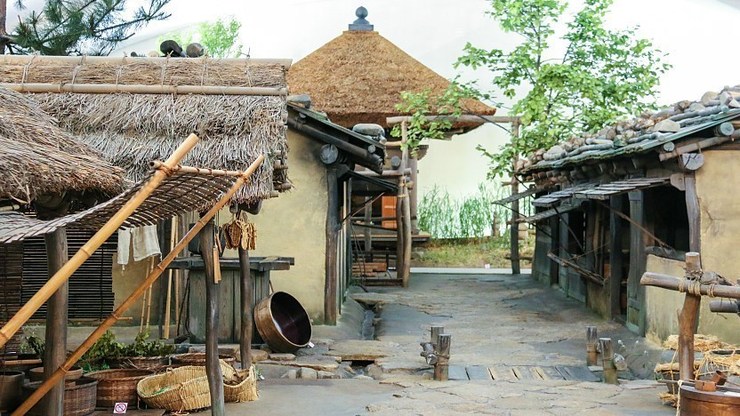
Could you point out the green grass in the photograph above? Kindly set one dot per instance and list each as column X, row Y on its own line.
column 470, row 253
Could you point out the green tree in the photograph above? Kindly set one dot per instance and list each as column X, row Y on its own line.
column 76, row 27
column 603, row 74
column 220, row 38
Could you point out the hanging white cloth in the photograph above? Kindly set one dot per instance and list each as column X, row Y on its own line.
column 144, row 240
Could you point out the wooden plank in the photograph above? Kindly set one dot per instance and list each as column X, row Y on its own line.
column 502, row 373
column 549, row 373
column 522, row 372
column 478, row 372
column 457, row 372
column 574, row 373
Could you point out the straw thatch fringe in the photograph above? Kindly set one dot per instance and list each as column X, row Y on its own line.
column 38, row 158
column 142, row 71
column 130, row 130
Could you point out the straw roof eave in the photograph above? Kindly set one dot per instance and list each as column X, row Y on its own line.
column 40, row 160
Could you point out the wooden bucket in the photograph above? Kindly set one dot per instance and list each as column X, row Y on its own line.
column 79, row 397
column 723, row 402
column 118, row 385
column 11, row 384
column 282, row 322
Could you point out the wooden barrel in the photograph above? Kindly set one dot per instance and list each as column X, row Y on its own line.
column 723, row 402
column 11, row 384
column 282, row 322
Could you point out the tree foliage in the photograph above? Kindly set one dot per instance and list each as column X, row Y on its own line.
column 76, row 27
column 603, row 74
column 220, row 38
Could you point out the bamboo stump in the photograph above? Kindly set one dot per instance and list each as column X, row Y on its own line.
column 441, row 369
column 607, row 361
column 56, row 322
column 592, row 355
column 213, row 369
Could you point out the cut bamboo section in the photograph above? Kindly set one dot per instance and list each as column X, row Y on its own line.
column 74, row 263
column 128, row 302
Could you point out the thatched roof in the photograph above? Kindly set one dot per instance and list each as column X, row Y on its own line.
column 133, row 109
column 39, row 159
column 358, row 77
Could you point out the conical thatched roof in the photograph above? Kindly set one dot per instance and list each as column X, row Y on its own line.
column 358, row 77
column 135, row 110
column 38, row 159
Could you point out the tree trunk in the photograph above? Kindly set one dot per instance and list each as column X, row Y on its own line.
column 213, row 369
column 56, row 321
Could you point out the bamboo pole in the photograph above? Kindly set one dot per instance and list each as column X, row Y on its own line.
column 168, row 302
column 84, row 253
column 82, row 60
column 128, row 302
column 190, row 169
column 143, row 89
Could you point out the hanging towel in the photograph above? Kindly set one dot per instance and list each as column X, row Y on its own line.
column 144, row 240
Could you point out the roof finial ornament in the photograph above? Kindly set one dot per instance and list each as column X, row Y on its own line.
column 361, row 25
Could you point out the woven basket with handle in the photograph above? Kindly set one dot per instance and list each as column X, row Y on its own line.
column 245, row 389
column 183, row 388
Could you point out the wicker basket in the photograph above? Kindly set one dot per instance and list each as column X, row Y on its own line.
column 118, row 385
column 158, row 363
column 244, row 391
column 183, row 388
column 198, row 358
column 79, row 397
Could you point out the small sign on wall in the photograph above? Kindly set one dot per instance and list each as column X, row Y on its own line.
column 120, row 408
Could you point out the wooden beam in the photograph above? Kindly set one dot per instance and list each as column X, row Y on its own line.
column 615, row 257
column 679, row 284
column 56, row 322
column 332, row 245
column 697, row 145
column 213, row 368
column 465, row 118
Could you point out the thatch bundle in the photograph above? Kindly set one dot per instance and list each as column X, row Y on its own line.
column 39, row 159
column 358, row 77
column 131, row 130
column 142, row 71
column 702, row 343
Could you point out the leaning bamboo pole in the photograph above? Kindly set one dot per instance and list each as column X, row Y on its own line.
column 150, row 279
column 142, row 89
column 84, row 253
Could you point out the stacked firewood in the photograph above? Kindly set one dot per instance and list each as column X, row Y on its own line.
column 648, row 126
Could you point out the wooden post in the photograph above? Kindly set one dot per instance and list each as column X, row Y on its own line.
column 615, row 257
column 168, row 301
column 687, row 320
column 213, row 368
column 84, row 253
column 406, row 238
column 441, row 369
column 636, row 293
column 607, row 361
column 403, row 215
column 514, row 230
column 332, row 225
column 129, row 301
column 245, row 290
column 367, row 232
column 56, row 321
column 414, row 194
column 592, row 339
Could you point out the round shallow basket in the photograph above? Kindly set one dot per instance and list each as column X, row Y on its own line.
column 158, row 363
column 178, row 389
column 245, row 389
column 282, row 322
column 118, row 385
column 79, row 397
column 37, row 374
column 198, row 358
